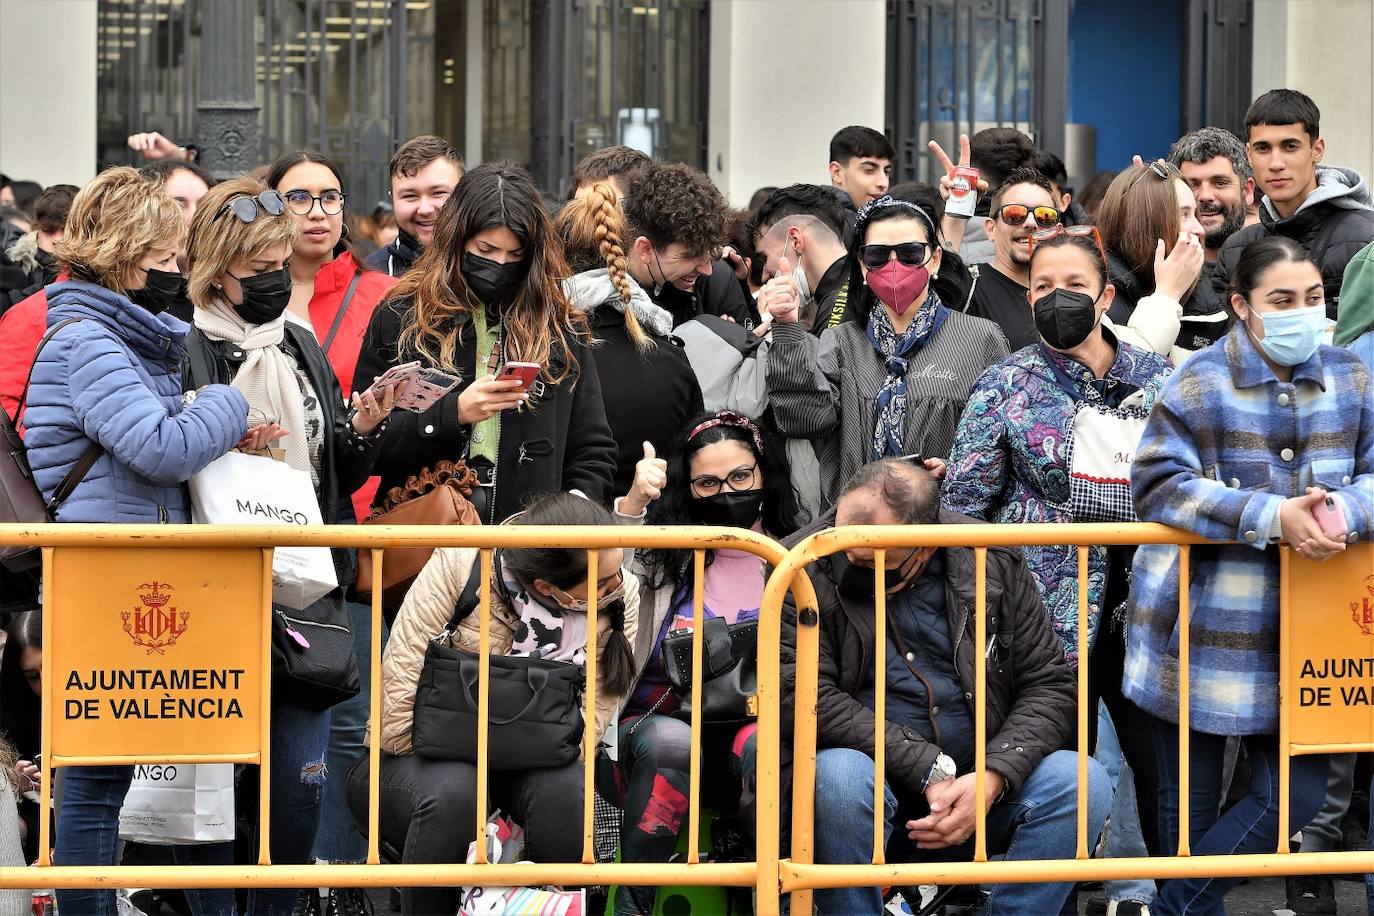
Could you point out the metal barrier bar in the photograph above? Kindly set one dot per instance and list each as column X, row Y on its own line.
column 1285, row 764
column 483, row 701
column 265, row 754
column 694, row 755
column 589, row 735
column 1185, row 825
column 980, row 706
column 1081, row 827
column 880, row 701
column 374, row 719
column 45, row 776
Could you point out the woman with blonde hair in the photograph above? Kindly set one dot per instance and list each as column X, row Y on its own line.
column 240, row 285
column 647, row 383
column 487, row 292
column 109, row 429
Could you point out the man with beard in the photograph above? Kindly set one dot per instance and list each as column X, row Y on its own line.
column 1023, row 205
column 1212, row 161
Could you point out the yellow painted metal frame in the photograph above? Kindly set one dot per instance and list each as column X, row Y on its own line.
column 770, row 874
column 761, row 875
column 799, row 875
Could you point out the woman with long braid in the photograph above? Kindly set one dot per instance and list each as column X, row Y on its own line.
column 647, row 383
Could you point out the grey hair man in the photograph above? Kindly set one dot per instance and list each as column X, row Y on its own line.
column 1213, row 162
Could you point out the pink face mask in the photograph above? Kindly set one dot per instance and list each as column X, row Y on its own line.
column 898, row 284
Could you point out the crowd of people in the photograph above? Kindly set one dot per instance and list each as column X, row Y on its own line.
column 1187, row 341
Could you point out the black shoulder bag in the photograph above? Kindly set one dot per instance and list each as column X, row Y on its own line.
column 729, row 670
column 535, row 704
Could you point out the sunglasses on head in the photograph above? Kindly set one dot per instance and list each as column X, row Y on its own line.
column 1015, row 215
column 1158, row 169
column 1073, row 232
column 246, row 209
column 912, row 254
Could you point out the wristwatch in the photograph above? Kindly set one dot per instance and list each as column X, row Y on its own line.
column 942, row 769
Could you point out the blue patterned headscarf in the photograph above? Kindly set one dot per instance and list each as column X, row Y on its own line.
column 889, row 419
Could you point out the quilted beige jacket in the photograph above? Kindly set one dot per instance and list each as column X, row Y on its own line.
column 426, row 612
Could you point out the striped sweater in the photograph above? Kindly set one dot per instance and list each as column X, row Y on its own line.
column 824, row 389
column 1226, row 444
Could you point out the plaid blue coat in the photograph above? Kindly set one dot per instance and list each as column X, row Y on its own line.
column 1224, row 446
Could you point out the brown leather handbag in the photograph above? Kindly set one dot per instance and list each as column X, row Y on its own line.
column 438, row 496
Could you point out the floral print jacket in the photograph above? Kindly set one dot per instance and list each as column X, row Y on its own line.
column 1010, row 461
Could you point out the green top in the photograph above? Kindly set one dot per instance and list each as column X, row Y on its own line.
column 1356, row 314
column 486, row 434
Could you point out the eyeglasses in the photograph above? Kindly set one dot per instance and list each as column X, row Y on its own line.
column 302, row 202
column 912, row 254
column 1159, row 169
column 246, row 209
column 738, row 480
column 1015, row 215
column 1073, row 232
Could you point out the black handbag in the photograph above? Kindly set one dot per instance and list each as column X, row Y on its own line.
column 729, row 670
column 313, row 659
column 535, row 708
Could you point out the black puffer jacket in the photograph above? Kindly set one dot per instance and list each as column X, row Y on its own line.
column 1031, row 702
column 1206, row 319
column 1333, row 224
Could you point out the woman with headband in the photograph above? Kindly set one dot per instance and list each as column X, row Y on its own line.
column 723, row 469
column 894, row 376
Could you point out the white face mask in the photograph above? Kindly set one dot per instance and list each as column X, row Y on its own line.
column 804, row 292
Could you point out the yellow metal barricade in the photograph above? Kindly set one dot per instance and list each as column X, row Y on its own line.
column 1328, row 587
column 109, row 592
column 135, row 616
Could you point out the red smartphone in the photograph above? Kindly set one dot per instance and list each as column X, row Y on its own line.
column 524, row 373
column 1330, row 517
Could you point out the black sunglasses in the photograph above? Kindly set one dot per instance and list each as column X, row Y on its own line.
column 246, row 209
column 912, row 254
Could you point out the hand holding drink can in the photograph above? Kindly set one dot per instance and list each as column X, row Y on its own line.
column 963, row 191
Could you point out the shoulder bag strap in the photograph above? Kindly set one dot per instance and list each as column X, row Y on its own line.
column 343, row 310
column 93, row 451
column 468, row 600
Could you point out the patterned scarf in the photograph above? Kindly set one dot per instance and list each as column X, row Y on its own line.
column 545, row 630
column 889, row 415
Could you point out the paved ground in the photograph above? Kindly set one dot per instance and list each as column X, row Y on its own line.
column 1255, row 898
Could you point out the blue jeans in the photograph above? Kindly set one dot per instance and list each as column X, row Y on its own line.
column 88, row 823
column 1036, row 823
column 1124, row 840
column 1249, row 826
column 338, row 839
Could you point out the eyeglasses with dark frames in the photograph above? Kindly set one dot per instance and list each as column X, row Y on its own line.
column 302, row 202
column 738, row 480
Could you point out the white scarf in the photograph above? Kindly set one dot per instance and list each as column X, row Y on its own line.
column 267, row 378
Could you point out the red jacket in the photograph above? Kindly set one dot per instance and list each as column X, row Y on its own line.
column 331, row 283
column 21, row 328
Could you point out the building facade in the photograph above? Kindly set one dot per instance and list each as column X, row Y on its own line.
column 749, row 90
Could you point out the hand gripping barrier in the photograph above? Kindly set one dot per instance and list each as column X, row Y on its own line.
column 95, row 569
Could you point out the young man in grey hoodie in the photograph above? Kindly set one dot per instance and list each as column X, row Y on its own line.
column 1325, row 208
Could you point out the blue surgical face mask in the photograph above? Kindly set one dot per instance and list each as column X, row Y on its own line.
column 1293, row 335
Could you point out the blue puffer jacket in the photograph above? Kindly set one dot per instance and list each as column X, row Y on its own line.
column 115, row 378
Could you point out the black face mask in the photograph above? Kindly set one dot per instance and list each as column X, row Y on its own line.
column 1065, row 318
column 265, row 296
column 160, row 291
column 736, row 509
column 495, row 284
column 49, row 265
column 856, row 582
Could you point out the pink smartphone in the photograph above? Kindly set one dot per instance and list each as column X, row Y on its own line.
column 1330, row 517
column 524, row 373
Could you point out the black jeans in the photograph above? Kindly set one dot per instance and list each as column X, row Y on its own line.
column 429, row 807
